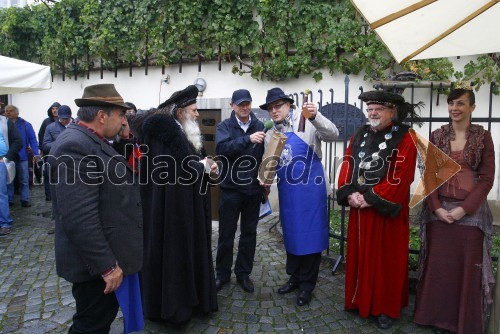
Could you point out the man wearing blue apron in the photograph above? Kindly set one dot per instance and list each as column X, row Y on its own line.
column 302, row 189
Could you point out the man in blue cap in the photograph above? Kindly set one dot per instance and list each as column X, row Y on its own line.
column 238, row 140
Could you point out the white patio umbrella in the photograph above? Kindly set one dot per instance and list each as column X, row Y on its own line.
column 413, row 29
column 18, row 76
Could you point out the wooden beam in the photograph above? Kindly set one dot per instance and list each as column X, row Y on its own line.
column 452, row 29
column 400, row 13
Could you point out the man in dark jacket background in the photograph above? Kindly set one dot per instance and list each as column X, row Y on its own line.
column 239, row 144
column 54, row 129
column 52, row 116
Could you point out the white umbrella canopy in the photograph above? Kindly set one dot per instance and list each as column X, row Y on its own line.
column 413, row 29
column 18, row 76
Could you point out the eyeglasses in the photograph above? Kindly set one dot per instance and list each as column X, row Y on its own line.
column 275, row 107
column 376, row 110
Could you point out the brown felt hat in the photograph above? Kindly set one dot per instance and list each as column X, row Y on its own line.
column 101, row 95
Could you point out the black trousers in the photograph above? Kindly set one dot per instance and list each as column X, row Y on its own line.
column 231, row 205
column 46, row 178
column 95, row 311
column 303, row 269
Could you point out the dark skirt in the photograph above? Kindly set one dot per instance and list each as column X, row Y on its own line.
column 449, row 293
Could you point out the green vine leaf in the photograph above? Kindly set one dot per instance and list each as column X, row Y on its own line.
column 267, row 39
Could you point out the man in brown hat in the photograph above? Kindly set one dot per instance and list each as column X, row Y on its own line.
column 98, row 232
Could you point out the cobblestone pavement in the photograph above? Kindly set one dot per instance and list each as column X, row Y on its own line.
column 34, row 300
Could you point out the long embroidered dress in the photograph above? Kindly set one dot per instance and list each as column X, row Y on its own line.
column 454, row 291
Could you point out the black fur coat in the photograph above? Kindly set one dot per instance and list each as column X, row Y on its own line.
column 178, row 275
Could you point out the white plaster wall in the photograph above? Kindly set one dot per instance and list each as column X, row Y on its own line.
column 148, row 91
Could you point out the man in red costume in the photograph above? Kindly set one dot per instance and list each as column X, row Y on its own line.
column 377, row 171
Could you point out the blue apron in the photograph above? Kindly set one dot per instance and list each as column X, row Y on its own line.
column 303, row 199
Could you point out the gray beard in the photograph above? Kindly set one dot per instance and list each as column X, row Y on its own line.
column 193, row 133
column 374, row 122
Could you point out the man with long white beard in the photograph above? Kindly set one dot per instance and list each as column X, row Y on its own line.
column 177, row 277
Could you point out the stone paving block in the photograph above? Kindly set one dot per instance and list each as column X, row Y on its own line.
column 239, row 303
column 225, row 316
column 240, row 327
column 252, row 304
column 251, row 319
column 47, row 315
column 347, row 323
column 275, row 311
column 28, row 316
column 266, row 320
column 33, row 308
column 63, row 315
column 240, row 317
column 11, row 324
column 226, row 325
column 39, row 327
column 281, row 321
column 265, row 327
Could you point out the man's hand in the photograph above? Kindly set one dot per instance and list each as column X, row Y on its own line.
column 113, row 280
column 214, row 168
column 353, row 200
column 309, row 110
column 257, row 137
column 363, row 203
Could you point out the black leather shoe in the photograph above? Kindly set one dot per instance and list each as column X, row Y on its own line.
column 304, row 298
column 384, row 322
column 219, row 282
column 25, row 204
column 246, row 284
column 288, row 287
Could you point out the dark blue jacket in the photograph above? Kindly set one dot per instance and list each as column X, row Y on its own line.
column 52, row 131
column 240, row 160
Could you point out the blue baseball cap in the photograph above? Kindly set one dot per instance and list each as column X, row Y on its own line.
column 240, row 96
column 64, row 112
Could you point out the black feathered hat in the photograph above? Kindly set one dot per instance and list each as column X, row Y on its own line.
column 404, row 109
column 182, row 98
column 381, row 97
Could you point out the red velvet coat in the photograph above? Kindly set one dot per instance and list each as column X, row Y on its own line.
column 378, row 236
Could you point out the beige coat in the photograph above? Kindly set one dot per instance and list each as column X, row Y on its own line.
column 316, row 131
